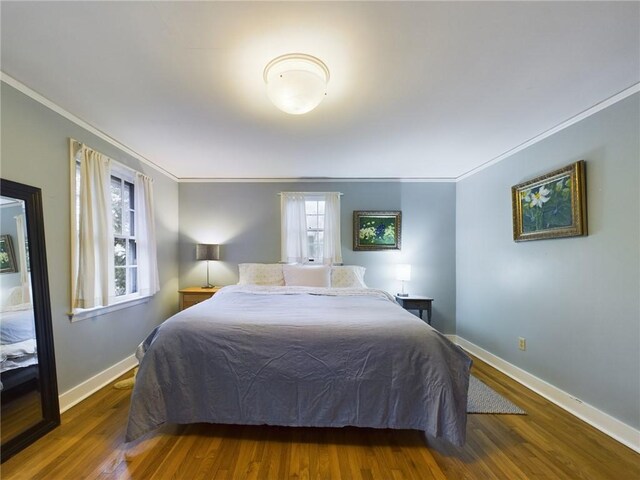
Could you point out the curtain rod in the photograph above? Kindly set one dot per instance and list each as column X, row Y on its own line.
column 120, row 164
column 312, row 193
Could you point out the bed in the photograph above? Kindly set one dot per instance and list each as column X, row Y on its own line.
column 300, row 356
column 18, row 351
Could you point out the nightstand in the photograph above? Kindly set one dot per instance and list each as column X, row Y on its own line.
column 414, row 302
column 191, row 295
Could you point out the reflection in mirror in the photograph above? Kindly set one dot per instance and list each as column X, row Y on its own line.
column 28, row 392
column 20, row 395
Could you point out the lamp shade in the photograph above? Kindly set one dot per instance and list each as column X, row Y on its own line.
column 296, row 82
column 403, row 272
column 207, row 251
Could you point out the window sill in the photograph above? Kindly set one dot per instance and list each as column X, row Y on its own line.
column 84, row 313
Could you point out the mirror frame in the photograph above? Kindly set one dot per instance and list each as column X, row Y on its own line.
column 32, row 197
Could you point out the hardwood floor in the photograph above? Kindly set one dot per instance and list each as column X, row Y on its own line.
column 548, row 443
column 20, row 413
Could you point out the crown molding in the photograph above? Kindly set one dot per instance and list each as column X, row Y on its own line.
column 317, row 180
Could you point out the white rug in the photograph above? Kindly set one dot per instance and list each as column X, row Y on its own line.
column 483, row 399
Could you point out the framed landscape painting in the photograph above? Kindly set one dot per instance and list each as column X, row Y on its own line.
column 374, row 230
column 552, row 205
column 7, row 255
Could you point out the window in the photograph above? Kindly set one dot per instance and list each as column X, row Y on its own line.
column 124, row 237
column 314, row 212
column 111, row 223
column 311, row 227
column 123, row 216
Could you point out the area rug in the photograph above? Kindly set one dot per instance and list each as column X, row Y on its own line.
column 483, row 399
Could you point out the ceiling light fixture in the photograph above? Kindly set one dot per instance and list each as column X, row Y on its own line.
column 296, row 82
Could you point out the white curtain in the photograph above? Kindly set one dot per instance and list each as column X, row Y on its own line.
column 95, row 237
column 22, row 260
column 294, row 228
column 332, row 248
column 148, row 280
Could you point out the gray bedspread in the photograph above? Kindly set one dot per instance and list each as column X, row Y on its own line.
column 297, row 356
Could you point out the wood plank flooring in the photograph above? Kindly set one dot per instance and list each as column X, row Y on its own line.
column 20, row 413
column 548, row 443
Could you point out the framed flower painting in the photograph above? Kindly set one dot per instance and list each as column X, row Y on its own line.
column 7, row 255
column 552, row 205
column 376, row 230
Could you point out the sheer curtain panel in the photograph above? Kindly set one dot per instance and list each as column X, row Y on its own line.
column 294, row 228
column 92, row 277
column 332, row 247
column 148, row 280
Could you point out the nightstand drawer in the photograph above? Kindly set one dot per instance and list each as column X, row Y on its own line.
column 193, row 295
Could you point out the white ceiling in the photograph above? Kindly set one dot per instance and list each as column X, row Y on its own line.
column 417, row 90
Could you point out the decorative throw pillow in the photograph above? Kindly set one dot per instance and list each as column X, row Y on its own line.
column 347, row 276
column 307, row 275
column 260, row 274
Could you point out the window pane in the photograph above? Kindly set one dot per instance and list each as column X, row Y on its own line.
column 121, row 282
column 132, row 254
column 125, row 217
column 314, row 245
column 321, row 207
column 133, row 279
column 116, row 204
column 132, row 223
column 320, row 221
column 126, row 197
column 312, row 222
column 313, row 250
column 311, row 207
column 132, row 201
column 119, row 253
column 127, row 207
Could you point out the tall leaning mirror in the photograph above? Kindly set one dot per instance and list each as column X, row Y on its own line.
column 28, row 388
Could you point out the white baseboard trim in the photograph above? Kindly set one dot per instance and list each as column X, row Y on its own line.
column 604, row 422
column 78, row 393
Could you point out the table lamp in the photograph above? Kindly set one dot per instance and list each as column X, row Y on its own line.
column 208, row 252
column 403, row 273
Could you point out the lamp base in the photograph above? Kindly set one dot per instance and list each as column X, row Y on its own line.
column 402, row 294
column 207, row 286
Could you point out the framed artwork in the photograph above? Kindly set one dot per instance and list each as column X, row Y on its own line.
column 376, row 230
column 7, row 255
column 552, row 205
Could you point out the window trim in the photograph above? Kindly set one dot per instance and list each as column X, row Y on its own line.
column 84, row 313
column 125, row 301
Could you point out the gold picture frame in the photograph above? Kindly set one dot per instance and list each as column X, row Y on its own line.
column 551, row 205
column 8, row 262
column 377, row 230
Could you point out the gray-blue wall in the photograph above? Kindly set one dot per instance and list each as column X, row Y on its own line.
column 576, row 300
column 245, row 219
column 35, row 151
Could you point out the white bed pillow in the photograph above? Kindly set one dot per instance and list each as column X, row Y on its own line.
column 347, row 276
column 307, row 275
column 260, row 274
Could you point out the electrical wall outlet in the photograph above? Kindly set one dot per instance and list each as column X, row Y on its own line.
column 522, row 343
